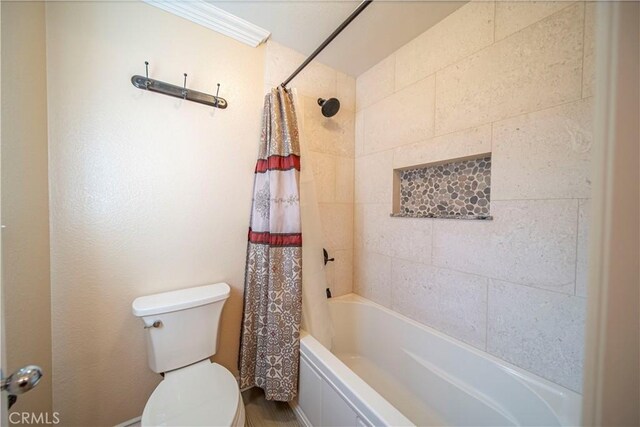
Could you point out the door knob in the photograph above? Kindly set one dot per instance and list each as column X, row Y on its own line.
column 22, row 380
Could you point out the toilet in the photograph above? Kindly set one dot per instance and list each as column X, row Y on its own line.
column 181, row 329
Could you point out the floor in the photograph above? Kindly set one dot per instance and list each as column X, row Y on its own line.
column 260, row 412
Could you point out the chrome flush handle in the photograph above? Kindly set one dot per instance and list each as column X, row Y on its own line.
column 156, row 324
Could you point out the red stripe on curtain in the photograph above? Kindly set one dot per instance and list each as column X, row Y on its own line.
column 275, row 239
column 276, row 162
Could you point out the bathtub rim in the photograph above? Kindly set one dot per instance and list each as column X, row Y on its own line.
column 363, row 399
column 548, row 391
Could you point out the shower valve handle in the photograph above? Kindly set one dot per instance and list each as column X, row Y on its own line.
column 326, row 256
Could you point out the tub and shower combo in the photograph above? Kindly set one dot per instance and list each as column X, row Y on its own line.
column 385, row 369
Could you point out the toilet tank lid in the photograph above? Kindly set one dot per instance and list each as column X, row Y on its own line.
column 181, row 299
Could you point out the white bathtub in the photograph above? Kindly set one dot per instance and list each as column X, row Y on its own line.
column 385, row 369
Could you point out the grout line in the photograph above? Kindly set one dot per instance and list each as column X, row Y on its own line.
column 584, row 27
column 380, row 101
column 495, row 8
column 490, row 122
column 395, row 65
column 486, row 319
column 435, row 110
column 334, row 159
column 362, row 135
column 492, row 144
column 575, row 274
column 553, row 291
column 455, row 62
column 492, row 200
column 538, row 199
column 567, row 5
column 432, row 242
column 391, row 284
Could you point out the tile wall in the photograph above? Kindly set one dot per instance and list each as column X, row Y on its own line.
column 331, row 151
column 514, row 79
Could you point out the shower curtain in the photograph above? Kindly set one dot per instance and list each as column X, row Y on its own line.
column 270, row 337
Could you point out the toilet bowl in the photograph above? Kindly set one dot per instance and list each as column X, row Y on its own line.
column 203, row 394
column 181, row 329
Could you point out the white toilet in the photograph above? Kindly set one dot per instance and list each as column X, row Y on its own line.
column 182, row 333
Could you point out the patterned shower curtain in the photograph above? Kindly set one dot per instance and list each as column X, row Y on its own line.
column 270, row 340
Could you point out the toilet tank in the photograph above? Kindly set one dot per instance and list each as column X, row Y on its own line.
column 186, row 325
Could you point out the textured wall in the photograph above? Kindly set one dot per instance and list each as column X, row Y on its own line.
column 331, row 149
column 25, row 197
column 515, row 80
column 148, row 193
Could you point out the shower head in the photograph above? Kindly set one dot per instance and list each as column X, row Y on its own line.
column 330, row 107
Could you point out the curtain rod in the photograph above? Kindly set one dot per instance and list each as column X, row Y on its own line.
column 362, row 6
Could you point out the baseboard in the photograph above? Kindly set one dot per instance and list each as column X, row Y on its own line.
column 242, row 390
column 132, row 422
column 300, row 415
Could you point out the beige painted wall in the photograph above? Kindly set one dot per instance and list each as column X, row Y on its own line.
column 514, row 79
column 25, row 210
column 148, row 193
column 331, row 151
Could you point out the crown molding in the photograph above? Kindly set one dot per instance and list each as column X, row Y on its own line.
column 214, row 18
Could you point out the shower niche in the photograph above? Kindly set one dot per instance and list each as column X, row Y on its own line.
column 455, row 189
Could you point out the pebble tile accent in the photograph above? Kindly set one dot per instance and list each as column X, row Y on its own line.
column 459, row 189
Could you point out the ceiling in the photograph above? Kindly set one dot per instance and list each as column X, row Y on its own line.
column 378, row 31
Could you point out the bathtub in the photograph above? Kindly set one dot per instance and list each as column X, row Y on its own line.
column 386, row 369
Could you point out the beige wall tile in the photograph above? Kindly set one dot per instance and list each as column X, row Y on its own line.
column 512, row 16
column 462, row 33
column 333, row 135
column 541, row 65
column 544, row 155
column 589, row 67
column 345, row 171
column 346, row 91
column 536, row 68
column 315, row 81
column 538, row 330
column 374, row 178
column 471, row 142
column 324, row 173
column 402, row 118
column 454, row 303
column 330, row 271
column 406, row 238
column 343, row 281
column 372, row 274
column 528, row 242
column 358, row 225
column 359, row 134
column 337, row 225
column 582, row 268
column 464, row 91
column 410, row 238
column 376, row 83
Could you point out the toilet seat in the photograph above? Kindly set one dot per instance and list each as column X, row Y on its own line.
column 202, row 394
